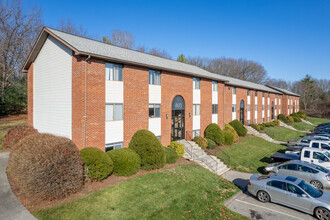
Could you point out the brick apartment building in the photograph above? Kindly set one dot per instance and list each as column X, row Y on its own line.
column 99, row 95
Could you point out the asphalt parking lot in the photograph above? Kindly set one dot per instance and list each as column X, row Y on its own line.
column 249, row 206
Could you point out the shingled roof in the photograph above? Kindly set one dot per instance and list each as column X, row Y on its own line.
column 284, row 91
column 84, row 46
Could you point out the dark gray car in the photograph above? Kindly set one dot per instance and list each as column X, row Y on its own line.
column 316, row 175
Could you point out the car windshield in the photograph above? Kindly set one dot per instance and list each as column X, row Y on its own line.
column 310, row 189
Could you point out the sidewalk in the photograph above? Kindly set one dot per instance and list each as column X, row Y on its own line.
column 10, row 206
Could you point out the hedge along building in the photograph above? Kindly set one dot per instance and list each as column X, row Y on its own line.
column 99, row 95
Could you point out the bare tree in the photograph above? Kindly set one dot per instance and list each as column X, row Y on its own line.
column 159, row 53
column 69, row 27
column 18, row 31
column 279, row 83
column 123, row 39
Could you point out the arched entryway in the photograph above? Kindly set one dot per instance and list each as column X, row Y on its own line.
column 178, row 128
column 241, row 112
column 272, row 110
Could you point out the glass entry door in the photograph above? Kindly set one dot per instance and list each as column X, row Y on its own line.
column 178, row 130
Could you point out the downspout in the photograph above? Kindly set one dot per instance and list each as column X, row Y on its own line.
column 224, row 110
column 85, row 101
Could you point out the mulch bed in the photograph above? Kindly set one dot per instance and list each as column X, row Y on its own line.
column 34, row 204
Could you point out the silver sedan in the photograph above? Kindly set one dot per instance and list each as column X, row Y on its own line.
column 292, row 192
column 316, row 175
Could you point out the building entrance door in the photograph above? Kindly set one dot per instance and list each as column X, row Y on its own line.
column 178, row 120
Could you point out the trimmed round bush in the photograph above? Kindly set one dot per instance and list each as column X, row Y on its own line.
column 255, row 126
column 302, row 114
column 283, row 118
column 214, row 133
column 210, row 144
column 228, row 127
column 290, row 119
column 179, row 148
column 229, row 137
column 277, row 122
column 46, row 166
column 16, row 134
column 202, row 142
column 126, row 161
column 262, row 126
column 170, row 155
column 97, row 163
column 266, row 124
column 239, row 128
column 296, row 119
column 294, row 115
column 149, row 148
column 273, row 123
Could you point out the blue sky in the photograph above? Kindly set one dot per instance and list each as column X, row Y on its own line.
column 290, row 38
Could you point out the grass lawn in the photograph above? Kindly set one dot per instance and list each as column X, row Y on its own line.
column 182, row 192
column 302, row 126
column 251, row 155
column 317, row 121
column 283, row 134
column 7, row 123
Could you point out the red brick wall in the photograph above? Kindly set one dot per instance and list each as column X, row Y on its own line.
column 284, row 105
column 173, row 85
column 228, row 104
column 136, row 101
column 206, row 105
column 221, row 106
column 95, row 105
column 30, row 94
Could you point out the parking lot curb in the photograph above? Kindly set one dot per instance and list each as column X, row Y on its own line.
column 230, row 200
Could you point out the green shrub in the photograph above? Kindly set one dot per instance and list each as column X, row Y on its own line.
column 228, row 127
column 273, row 123
column 170, row 155
column 211, row 144
column 262, row 126
column 294, row 115
column 255, row 126
column 179, row 148
column 126, row 161
column 99, row 165
column 290, row 119
column 239, row 128
column 302, row 114
column 283, row 118
column 149, row 148
column 266, row 124
column 16, row 134
column 214, row 133
column 46, row 166
column 202, row 142
column 296, row 119
column 229, row 137
column 277, row 122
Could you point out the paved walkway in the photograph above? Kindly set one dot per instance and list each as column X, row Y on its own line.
column 240, row 179
column 10, row 206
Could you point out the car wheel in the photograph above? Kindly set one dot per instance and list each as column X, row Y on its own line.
column 322, row 213
column 263, row 196
column 317, row 184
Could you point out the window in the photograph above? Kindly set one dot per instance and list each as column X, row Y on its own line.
column 305, row 169
column 268, row 95
column 268, row 118
column 196, row 133
column 214, row 86
column 315, row 145
column 234, row 90
column 256, row 93
column 319, row 156
column 248, row 107
column 113, row 112
column 214, row 108
column 256, row 107
column 248, row 92
column 277, row 184
column 234, row 108
column 263, row 94
column 113, row 146
column 158, row 137
column 294, row 189
column 306, row 141
column 196, row 83
column 196, row 109
column 255, row 121
column 248, row 121
column 263, row 119
column 263, row 107
column 154, row 77
column 154, row 110
column 113, row 72
column 325, row 147
column 307, row 154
